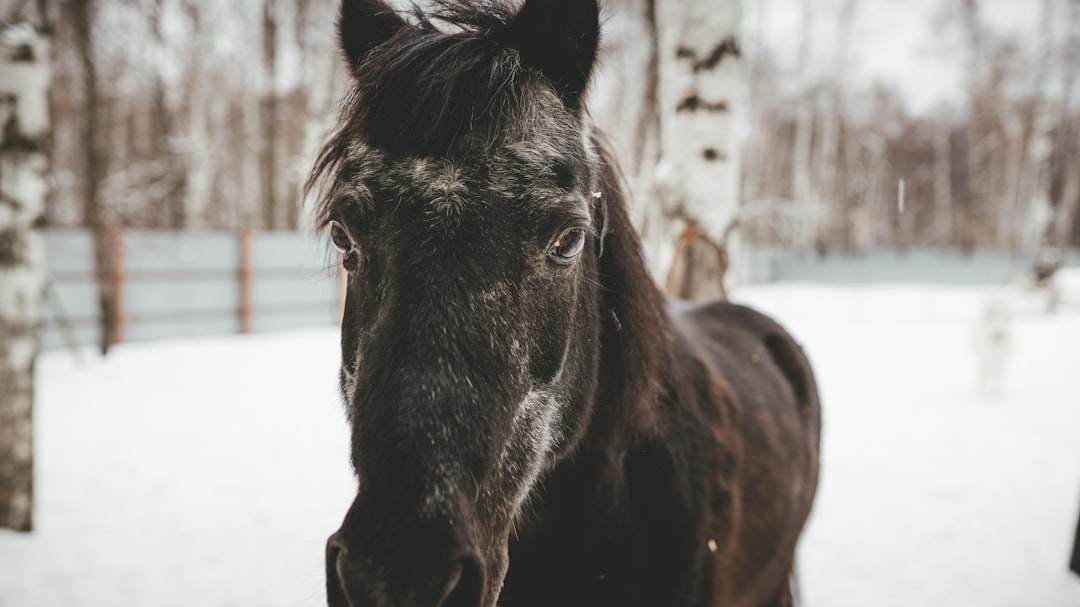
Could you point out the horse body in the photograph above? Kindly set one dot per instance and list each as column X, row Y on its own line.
column 710, row 496
column 530, row 424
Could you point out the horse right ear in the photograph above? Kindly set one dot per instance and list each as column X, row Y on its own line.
column 365, row 24
column 560, row 38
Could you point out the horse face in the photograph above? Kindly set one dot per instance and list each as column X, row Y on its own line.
column 468, row 338
column 461, row 358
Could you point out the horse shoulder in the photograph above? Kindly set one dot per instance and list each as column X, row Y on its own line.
column 764, row 412
column 746, row 346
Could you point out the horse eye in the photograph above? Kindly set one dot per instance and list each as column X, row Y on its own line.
column 340, row 237
column 568, row 245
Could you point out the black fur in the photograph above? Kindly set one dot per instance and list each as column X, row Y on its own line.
column 363, row 25
column 560, row 38
column 529, row 429
column 1074, row 560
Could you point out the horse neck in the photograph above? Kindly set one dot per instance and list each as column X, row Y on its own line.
column 636, row 342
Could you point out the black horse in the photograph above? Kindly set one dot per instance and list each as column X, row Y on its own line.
column 530, row 424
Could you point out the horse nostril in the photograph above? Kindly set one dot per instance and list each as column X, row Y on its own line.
column 465, row 587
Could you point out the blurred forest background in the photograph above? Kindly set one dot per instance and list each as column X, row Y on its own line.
column 188, row 113
column 988, row 151
column 169, row 174
column 194, row 113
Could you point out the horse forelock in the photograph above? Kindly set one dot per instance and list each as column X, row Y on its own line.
column 450, row 79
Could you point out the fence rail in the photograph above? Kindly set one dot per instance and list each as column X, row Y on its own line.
column 921, row 265
column 176, row 284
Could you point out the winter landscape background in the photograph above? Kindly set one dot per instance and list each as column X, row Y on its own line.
column 210, row 471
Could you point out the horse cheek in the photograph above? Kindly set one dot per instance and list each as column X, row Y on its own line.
column 550, row 346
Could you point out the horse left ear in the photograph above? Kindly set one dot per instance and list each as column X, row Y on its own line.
column 365, row 24
column 560, row 39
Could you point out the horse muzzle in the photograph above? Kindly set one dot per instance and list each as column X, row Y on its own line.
column 427, row 564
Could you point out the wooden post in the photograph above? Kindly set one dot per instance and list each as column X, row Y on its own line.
column 116, row 252
column 245, row 280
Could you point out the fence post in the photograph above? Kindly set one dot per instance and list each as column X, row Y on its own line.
column 245, row 280
column 116, row 252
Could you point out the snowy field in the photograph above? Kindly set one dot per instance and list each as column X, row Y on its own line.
column 208, row 472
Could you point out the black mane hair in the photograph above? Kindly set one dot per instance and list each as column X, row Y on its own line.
column 422, row 89
column 636, row 337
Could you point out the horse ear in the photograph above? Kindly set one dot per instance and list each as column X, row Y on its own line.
column 365, row 24
column 560, row 39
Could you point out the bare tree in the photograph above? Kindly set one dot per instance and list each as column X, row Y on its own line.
column 827, row 149
column 670, row 95
column 701, row 99
column 1065, row 168
column 269, row 114
column 943, row 196
column 80, row 13
column 1026, row 197
column 25, row 77
column 802, row 153
column 623, row 100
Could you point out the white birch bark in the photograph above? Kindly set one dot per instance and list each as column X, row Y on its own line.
column 701, row 99
column 25, row 73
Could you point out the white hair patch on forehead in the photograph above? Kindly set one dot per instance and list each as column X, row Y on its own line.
column 441, row 183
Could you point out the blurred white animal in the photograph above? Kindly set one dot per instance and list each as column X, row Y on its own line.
column 992, row 341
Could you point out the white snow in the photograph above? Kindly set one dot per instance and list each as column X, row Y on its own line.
column 202, row 472
column 931, row 496
column 210, row 471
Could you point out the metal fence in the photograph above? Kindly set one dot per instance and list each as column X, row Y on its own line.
column 933, row 266
column 178, row 284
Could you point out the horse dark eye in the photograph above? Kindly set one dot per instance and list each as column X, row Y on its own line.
column 568, row 245
column 340, row 237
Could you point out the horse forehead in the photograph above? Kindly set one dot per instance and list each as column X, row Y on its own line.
column 448, row 186
column 441, row 183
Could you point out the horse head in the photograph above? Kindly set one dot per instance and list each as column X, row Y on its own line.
column 465, row 197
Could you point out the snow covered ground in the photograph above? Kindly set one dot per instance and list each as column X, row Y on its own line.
column 209, row 471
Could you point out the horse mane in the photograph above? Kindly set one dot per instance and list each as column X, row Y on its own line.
column 636, row 338
column 425, row 88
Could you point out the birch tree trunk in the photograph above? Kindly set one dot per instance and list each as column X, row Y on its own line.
column 25, row 73
column 700, row 100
